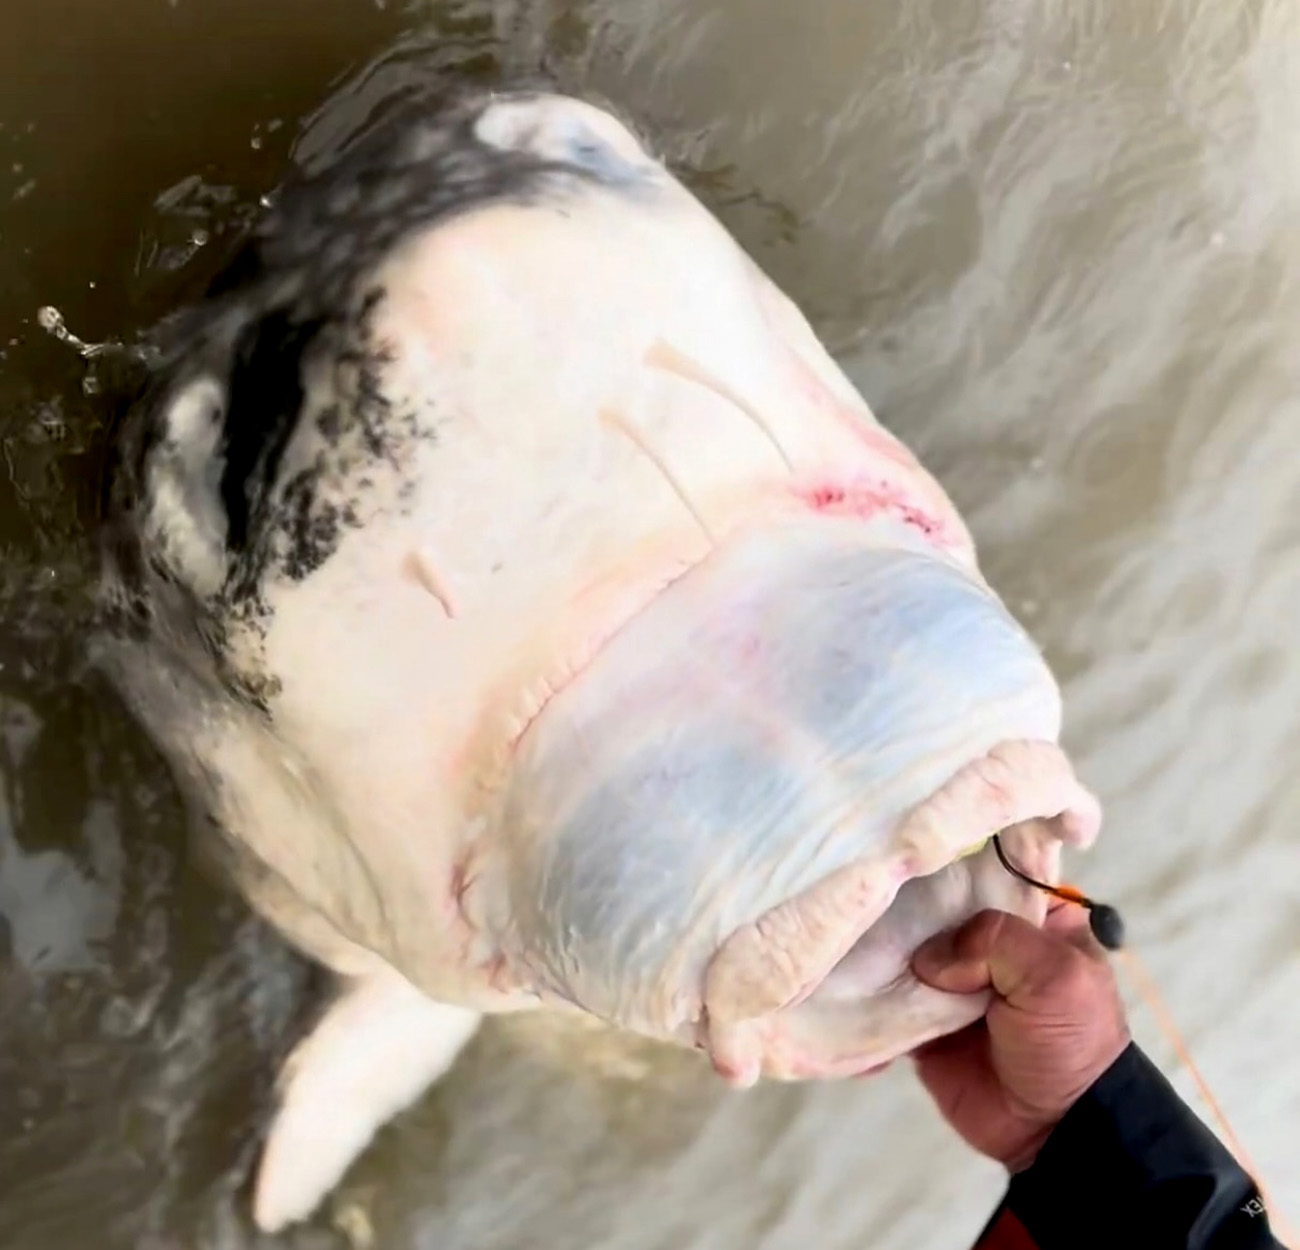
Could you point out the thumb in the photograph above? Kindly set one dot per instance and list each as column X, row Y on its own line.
column 993, row 949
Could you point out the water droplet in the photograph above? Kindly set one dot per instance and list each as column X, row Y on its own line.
column 256, row 142
column 199, row 237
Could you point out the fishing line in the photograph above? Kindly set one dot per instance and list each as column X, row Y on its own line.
column 1106, row 923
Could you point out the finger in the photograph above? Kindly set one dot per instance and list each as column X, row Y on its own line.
column 1073, row 922
column 994, row 949
column 1066, row 919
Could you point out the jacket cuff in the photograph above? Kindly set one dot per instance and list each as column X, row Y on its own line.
column 1129, row 1155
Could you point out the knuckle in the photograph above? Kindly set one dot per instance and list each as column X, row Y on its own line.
column 981, row 934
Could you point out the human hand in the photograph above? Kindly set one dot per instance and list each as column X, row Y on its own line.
column 1055, row 1024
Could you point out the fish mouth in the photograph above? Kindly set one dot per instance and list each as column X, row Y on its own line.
column 821, row 986
column 734, row 824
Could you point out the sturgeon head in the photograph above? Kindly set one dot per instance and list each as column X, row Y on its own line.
column 539, row 611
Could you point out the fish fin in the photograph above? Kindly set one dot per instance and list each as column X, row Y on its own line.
column 375, row 1051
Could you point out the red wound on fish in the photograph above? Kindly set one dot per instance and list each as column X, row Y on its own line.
column 866, row 502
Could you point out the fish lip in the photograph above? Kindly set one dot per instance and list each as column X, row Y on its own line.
column 773, row 515
column 743, row 1014
column 874, row 1069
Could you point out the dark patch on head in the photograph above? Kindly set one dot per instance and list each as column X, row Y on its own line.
column 330, row 423
column 299, row 289
column 265, row 398
column 312, row 528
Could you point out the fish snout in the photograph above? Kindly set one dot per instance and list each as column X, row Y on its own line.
column 772, row 772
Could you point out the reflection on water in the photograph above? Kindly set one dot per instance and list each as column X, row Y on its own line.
column 1056, row 245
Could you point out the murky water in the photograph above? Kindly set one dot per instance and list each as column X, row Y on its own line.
column 1058, row 246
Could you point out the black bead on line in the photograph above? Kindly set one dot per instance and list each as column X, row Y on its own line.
column 1106, row 923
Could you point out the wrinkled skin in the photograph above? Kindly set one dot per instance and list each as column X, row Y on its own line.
column 540, row 618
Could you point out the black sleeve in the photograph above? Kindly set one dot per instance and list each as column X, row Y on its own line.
column 1132, row 1165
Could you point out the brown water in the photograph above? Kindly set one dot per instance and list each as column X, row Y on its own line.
column 1058, row 247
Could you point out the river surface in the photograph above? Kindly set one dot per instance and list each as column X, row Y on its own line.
column 1057, row 245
